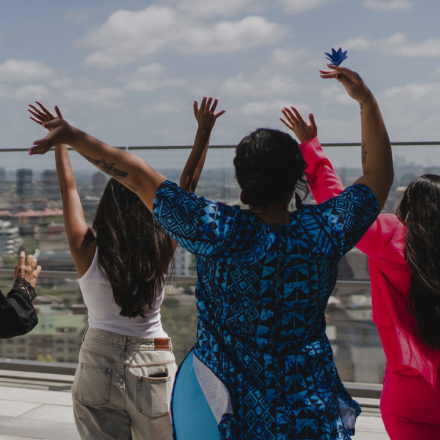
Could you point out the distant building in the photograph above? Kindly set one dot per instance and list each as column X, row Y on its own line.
column 184, row 262
column 56, row 229
column 10, row 240
column 2, row 179
column 99, row 182
column 57, row 337
column 90, row 204
column 50, row 186
column 24, row 183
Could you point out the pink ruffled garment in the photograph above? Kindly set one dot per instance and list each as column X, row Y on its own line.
column 390, row 276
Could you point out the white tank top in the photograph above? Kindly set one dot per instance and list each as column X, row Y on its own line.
column 104, row 312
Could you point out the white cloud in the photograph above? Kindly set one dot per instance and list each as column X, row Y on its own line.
column 411, row 111
column 231, row 36
column 299, row 6
column 215, row 8
column 396, row 45
column 128, row 36
column 106, row 97
column 24, row 70
column 336, row 95
column 359, row 43
column 148, row 78
column 173, row 105
column 273, row 107
column 294, row 58
column 414, row 92
column 388, row 5
column 399, row 45
column 24, row 93
column 259, row 85
column 76, row 17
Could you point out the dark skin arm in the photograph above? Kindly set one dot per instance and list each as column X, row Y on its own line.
column 206, row 118
column 377, row 160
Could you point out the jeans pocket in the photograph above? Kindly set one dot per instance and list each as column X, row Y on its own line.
column 153, row 393
column 92, row 385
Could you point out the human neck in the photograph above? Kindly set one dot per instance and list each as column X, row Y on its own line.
column 272, row 212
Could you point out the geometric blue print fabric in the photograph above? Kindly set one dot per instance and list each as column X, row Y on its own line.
column 261, row 295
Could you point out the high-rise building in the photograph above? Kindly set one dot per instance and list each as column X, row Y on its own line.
column 99, row 182
column 2, row 179
column 24, row 183
column 50, row 186
column 10, row 240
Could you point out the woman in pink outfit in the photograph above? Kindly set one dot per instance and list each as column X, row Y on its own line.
column 403, row 252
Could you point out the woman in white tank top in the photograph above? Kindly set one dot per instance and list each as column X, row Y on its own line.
column 122, row 387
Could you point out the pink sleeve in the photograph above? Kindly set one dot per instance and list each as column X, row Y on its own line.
column 325, row 184
column 323, row 181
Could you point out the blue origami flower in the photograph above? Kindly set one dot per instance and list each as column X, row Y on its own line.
column 336, row 58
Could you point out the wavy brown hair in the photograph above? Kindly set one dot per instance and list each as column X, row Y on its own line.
column 133, row 249
column 419, row 210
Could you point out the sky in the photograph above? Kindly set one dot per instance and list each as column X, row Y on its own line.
column 128, row 71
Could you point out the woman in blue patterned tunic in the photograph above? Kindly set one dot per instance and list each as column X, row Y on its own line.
column 262, row 366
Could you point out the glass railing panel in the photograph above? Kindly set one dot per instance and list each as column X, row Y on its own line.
column 30, row 212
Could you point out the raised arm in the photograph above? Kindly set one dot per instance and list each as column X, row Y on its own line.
column 325, row 184
column 125, row 167
column 206, row 118
column 323, row 181
column 377, row 162
column 80, row 237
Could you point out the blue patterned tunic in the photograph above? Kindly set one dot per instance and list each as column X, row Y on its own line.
column 261, row 294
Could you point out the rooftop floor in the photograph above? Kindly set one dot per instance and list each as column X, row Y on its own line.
column 39, row 406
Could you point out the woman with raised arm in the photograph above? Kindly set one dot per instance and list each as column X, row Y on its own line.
column 123, row 384
column 262, row 367
column 403, row 252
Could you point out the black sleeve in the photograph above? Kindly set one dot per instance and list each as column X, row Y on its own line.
column 17, row 314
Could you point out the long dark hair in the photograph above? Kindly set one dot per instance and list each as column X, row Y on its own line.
column 268, row 166
column 419, row 210
column 133, row 249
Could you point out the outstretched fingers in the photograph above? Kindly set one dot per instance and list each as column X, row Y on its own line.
column 219, row 114
column 58, row 112
column 286, row 124
column 313, row 122
column 196, row 107
column 214, row 105
column 37, row 271
column 288, row 114
column 203, row 104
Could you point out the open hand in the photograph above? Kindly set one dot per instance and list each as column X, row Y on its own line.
column 60, row 132
column 352, row 82
column 303, row 131
column 205, row 115
column 27, row 269
column 42, row 114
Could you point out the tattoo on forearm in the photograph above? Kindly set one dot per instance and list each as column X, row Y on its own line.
column 364, row 152
column 361, row 106
column 108, row 168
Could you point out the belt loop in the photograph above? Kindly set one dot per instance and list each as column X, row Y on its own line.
column 124, row 343
column 84, row 335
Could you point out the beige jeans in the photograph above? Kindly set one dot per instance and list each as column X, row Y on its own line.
column 122, row 388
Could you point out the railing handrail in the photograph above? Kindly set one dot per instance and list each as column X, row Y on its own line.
column 222, row 147
column 72, row 275
column 366, row 390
